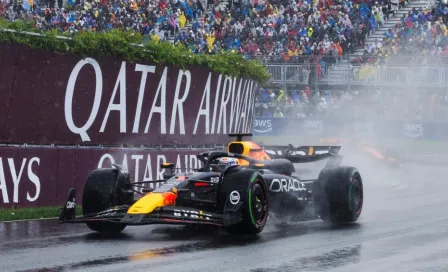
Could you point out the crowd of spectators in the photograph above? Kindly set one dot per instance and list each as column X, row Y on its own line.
column 272, row 29
column 309, row 31
column 420, row 37
column 360, row 105
column 156, row 19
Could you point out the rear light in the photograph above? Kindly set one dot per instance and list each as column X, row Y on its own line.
column 201, row 184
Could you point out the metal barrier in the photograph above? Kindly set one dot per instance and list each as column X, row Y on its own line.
column 347, row 74
column 415, row 71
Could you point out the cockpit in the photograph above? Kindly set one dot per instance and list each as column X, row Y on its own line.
column 248, row 149
column 219, row 165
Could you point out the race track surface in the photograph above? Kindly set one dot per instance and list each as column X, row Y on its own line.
column 403, row 227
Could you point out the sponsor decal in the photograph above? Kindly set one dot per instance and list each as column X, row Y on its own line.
column 234, row 197
column 413, row 130
column 263, row 125
column 192, row 214
column 169, row 198
column 294, row 152
column 105, row 213
column 168, row 186
column 313, row 126
column 226, row 107
column 108, row 212
column 286, row 185
column 214, row 179
column 71, row 204
column 15, row 173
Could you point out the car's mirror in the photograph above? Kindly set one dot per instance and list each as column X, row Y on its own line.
column 260, row 166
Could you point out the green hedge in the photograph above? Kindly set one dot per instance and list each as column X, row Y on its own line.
column 121, row 44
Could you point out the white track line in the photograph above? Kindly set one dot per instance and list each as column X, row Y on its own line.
column 401, row 186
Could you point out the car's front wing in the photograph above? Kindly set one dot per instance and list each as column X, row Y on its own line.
column 164, row 215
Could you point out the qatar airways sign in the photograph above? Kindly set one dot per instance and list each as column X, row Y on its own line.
column 42, row 176
column 69, row 100
column 205, row 109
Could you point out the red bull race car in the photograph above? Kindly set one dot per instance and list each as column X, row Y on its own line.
column 236, row 189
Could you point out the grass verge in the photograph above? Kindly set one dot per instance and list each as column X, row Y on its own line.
column 9, row 214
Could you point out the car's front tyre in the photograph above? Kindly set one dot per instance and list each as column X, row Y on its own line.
column 102, row 190
column 254, row 201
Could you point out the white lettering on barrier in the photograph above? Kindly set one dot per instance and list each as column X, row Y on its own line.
column 413, row 130
column 120, row 107
column 82, row 131
column 204, row 111
column 262, row 126
column 313, row 126
column 185, row 163
column 216, row 103
column 237, row 97
column 136, row 158
column 34, row 179
column 161, row 92
column 17, row 178
column 222, row 120
column 145, row 69
column 178, row 108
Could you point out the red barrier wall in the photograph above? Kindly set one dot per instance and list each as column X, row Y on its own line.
column 50, row 98
column 56, row 99
column 35, row 177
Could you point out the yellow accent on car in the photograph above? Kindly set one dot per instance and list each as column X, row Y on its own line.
column 147, row 203
column 311, row 150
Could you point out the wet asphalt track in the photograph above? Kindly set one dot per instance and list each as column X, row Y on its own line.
column 403, row 227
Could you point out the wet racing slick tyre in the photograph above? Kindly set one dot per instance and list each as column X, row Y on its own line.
column 338, row 195
column 102, row 190
column 254, row 201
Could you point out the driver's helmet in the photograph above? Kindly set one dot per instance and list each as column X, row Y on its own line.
column 226, row 162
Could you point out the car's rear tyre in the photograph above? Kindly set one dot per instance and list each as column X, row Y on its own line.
column 255, row 204
column 102, row 190
column 338, row 195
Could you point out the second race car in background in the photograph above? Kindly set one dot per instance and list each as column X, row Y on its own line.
column 374, row 152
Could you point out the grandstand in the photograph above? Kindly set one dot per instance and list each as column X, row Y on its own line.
column 314, row 60
column 344, row 73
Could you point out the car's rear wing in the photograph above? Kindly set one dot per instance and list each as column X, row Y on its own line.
column 279, row 151
column 304, row 154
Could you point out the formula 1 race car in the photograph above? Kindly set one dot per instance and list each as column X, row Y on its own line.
column 236, row 189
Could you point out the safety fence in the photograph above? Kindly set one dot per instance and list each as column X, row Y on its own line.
column 334, row 127
column 347, row 74
column 396, row 71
